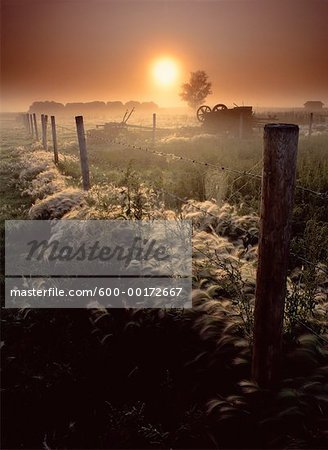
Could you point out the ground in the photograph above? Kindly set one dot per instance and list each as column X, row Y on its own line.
column 99, row 378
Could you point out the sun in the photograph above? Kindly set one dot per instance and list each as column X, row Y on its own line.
column 165, row 71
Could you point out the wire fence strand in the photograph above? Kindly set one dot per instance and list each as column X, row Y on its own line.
column 173, row 156
column 220, row 167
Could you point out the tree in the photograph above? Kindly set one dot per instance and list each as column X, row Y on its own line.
column 198, row 88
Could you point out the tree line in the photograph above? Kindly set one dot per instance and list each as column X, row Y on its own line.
column 95, row 107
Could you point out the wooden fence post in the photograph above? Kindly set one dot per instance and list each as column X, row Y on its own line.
column 30, row 118
column 278, row 182
column 42, row 129
column 35, row 127
column 27, row 123
column 46, row 131
column 44, row 124
column 154, row 128
column 54, row 138
column 83, row 152
column 310, row 123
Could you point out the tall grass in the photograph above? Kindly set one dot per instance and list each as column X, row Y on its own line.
column 169, row 378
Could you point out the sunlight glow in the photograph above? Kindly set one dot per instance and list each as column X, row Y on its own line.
column 165, row 71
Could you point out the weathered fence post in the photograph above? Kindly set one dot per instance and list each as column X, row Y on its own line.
column 27, row 123
column 310, row 123
column 46, row 131
column 44, row 119
column 30, row 119
column 54, row 138
column 35, row 127
column 83, row 152
column 154, row 128
column 42, row 128
column 278, row 182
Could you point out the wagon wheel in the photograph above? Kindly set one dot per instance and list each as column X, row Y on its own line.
column 202, row 111
column 219, row 107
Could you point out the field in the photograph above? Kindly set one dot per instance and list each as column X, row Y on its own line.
column 100, row 378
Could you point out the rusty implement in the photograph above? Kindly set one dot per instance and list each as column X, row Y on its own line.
column 228, row 120
column 109, row 130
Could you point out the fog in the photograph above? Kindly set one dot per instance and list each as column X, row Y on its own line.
column 266, row 54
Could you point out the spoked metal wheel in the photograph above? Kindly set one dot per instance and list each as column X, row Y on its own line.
column 202, row 111
column 219, row 107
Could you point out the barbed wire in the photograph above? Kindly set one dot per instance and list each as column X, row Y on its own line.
column 215, row 261
column 66, row 128
column 189, row 203
column 245, row 184
column 178, row 157
column 309, row 262
column 206, row 212
column 322, row 195
column 312, row 330
column 211, row 259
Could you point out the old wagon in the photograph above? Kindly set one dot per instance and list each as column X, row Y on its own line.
column 237, row 120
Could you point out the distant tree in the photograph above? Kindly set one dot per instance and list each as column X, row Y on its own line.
column 46, row 107
column 149, row 106
column 198, row 88
column 132, row 104
column 97, row 105
column 115, row 106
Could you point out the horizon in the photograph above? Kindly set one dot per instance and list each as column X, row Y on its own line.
column 183, row 108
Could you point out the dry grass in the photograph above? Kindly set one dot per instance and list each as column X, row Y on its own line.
column 55, row 206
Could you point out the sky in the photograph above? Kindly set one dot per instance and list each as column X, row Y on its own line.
column 255, row 52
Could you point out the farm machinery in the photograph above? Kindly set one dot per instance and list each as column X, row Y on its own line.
column 110, row 130
column 237, row 120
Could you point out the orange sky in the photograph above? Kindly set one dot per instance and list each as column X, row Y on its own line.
column 260, row 52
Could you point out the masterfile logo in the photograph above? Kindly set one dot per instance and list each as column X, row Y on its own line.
column 118, row 263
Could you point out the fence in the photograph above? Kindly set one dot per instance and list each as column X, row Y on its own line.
column 277, row 193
